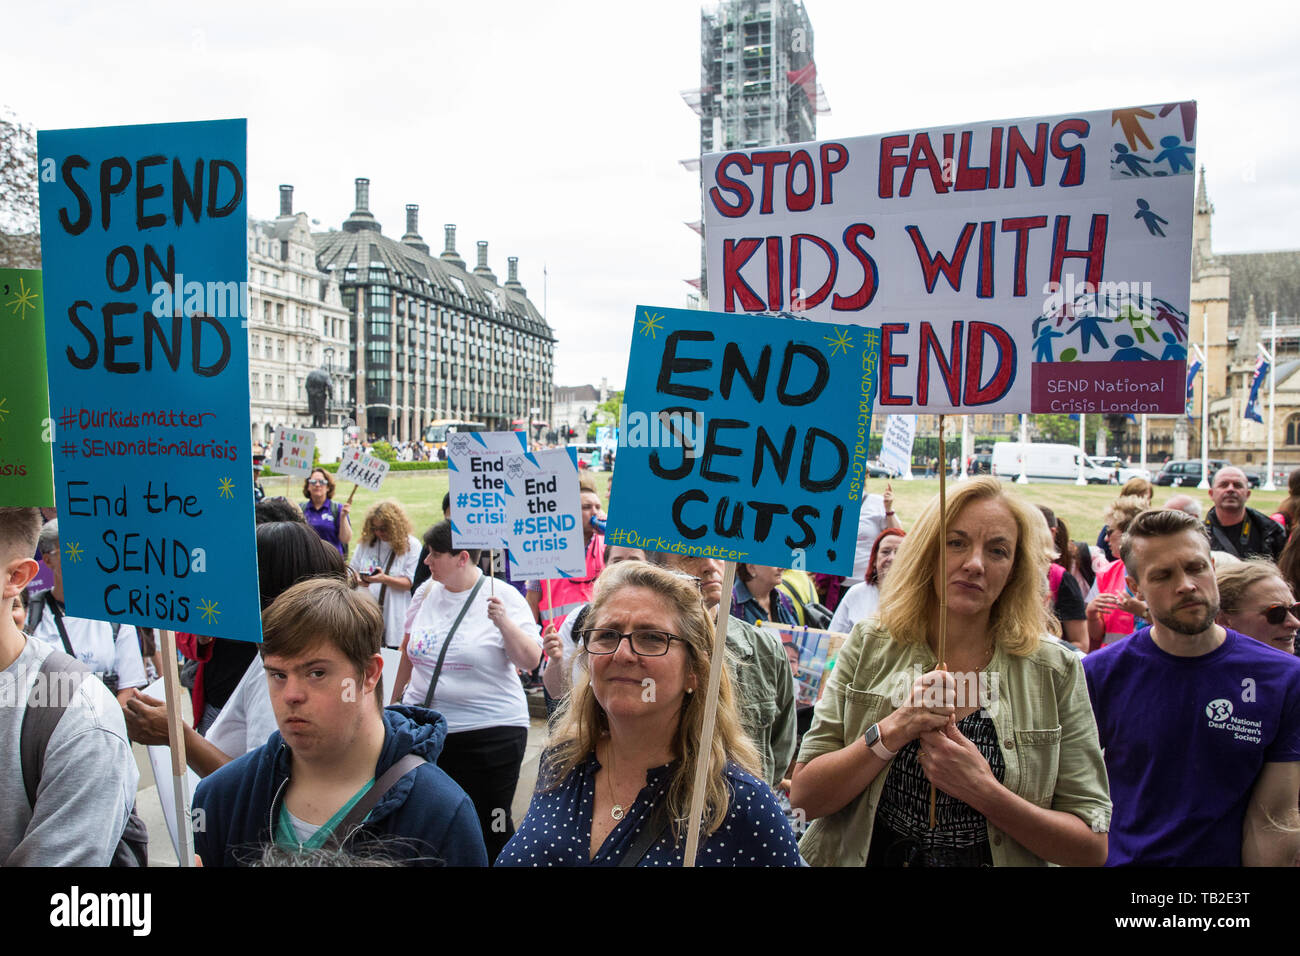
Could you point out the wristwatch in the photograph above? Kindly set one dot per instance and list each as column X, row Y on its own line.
column 872, row 739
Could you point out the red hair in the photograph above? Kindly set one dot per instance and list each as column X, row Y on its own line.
column 871, row 576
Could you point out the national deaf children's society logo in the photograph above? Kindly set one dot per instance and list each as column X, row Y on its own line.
column 1218, row 710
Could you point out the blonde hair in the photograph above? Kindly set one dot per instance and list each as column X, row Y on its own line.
column 391, row 518
column 1019, row 616
column 1123, row 510
column 1236, row 579
column 580, row 721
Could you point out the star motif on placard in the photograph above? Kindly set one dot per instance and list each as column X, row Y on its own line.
column 4, row 411
column 73, row 551
column 839, row 342
column 209, row 611
column 226, row 488
column 23, row 300
column 650, row 325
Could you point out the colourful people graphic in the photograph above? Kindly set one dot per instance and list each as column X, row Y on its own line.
column 1173, row 351
column 1138, row 321
column 1132, row 163
column 1176, row 154
column 1130, row 124
column 1176, row 321
column 1128, row 353
column 1149, row 218
column 1044, row 343
column 1089, row 327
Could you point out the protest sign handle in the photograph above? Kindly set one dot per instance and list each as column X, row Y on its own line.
column 716, row 662
column 176, row 742
column 943, row 580
column 354, row 492
column 492, row 572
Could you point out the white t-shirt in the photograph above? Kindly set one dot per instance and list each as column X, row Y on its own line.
column 247, row 720
column 871, row 521
column 368, row 556
column 859, row 602
column 479, row 686
column 93, row 644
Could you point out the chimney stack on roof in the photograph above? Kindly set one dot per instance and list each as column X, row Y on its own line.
column 412, row 237
column 512, row 273
column 449, row 253
column 286, row 200
column 361, row 219
column 482, row 269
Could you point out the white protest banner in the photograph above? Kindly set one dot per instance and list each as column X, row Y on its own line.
column 476, row 473
column 362, row 469
column 1032, row 265
column 544, row 514
column 292, row 451
column 896, row 443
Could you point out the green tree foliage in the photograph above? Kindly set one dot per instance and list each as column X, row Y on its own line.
column 381, row 449
column 606, row 414
column 1064, row 430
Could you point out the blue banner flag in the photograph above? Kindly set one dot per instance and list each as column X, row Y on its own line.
column 144, row 246
column 1252, row 403
column 1191, row 381
column 746, row 438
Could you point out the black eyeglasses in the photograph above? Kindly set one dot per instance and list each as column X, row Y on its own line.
column 1276, row 613
column 605, row 640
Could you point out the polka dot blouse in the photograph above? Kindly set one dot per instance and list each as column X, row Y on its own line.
column 557, row 829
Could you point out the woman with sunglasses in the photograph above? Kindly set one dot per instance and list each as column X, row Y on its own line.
column 324, row 515
column 1254, row 600
column 614, row 787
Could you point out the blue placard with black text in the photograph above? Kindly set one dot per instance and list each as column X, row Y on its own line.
column 144, row 248
column 745, row 438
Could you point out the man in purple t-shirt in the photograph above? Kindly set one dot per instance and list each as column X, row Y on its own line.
column 1200, row 725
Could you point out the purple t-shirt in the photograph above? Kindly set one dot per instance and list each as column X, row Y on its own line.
column 324, row 522
column 1185, row 739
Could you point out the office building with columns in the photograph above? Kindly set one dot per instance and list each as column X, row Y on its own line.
column 431, row 338
column 297, row 324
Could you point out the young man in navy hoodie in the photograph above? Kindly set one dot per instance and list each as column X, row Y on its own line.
column 342, row 774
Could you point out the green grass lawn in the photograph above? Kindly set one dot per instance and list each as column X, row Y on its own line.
column 1081, row 508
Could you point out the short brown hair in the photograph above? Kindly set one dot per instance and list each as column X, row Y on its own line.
column 19, row 529
column 587, row 483
column 1156, row 524
column 1139, row 486
column 328, row 611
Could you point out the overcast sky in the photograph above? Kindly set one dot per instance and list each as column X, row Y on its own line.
column 554, row 129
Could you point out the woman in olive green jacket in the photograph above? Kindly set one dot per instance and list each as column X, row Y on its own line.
column 1003, row 730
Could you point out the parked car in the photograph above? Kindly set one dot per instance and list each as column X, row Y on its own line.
column 1044, row 461
column 877, row 469
column 1187, row 473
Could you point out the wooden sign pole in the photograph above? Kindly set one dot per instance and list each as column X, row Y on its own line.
column 354, row 492
column 176, row 743
column 716, row 663
column 943, row 581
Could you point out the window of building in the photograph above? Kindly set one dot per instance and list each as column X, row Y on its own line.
column 1293, row 430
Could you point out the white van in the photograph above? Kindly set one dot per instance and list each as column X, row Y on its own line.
column 1043, row 461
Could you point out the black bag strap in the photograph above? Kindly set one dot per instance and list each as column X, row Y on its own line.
column 654, row 828
column 383, row 588
column 46, row 705
column 442, row 654
column 58, row 622
column 357, row 815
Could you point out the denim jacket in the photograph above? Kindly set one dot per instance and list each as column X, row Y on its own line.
column 1040, row 709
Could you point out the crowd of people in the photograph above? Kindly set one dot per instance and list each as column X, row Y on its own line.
column 999, row 694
